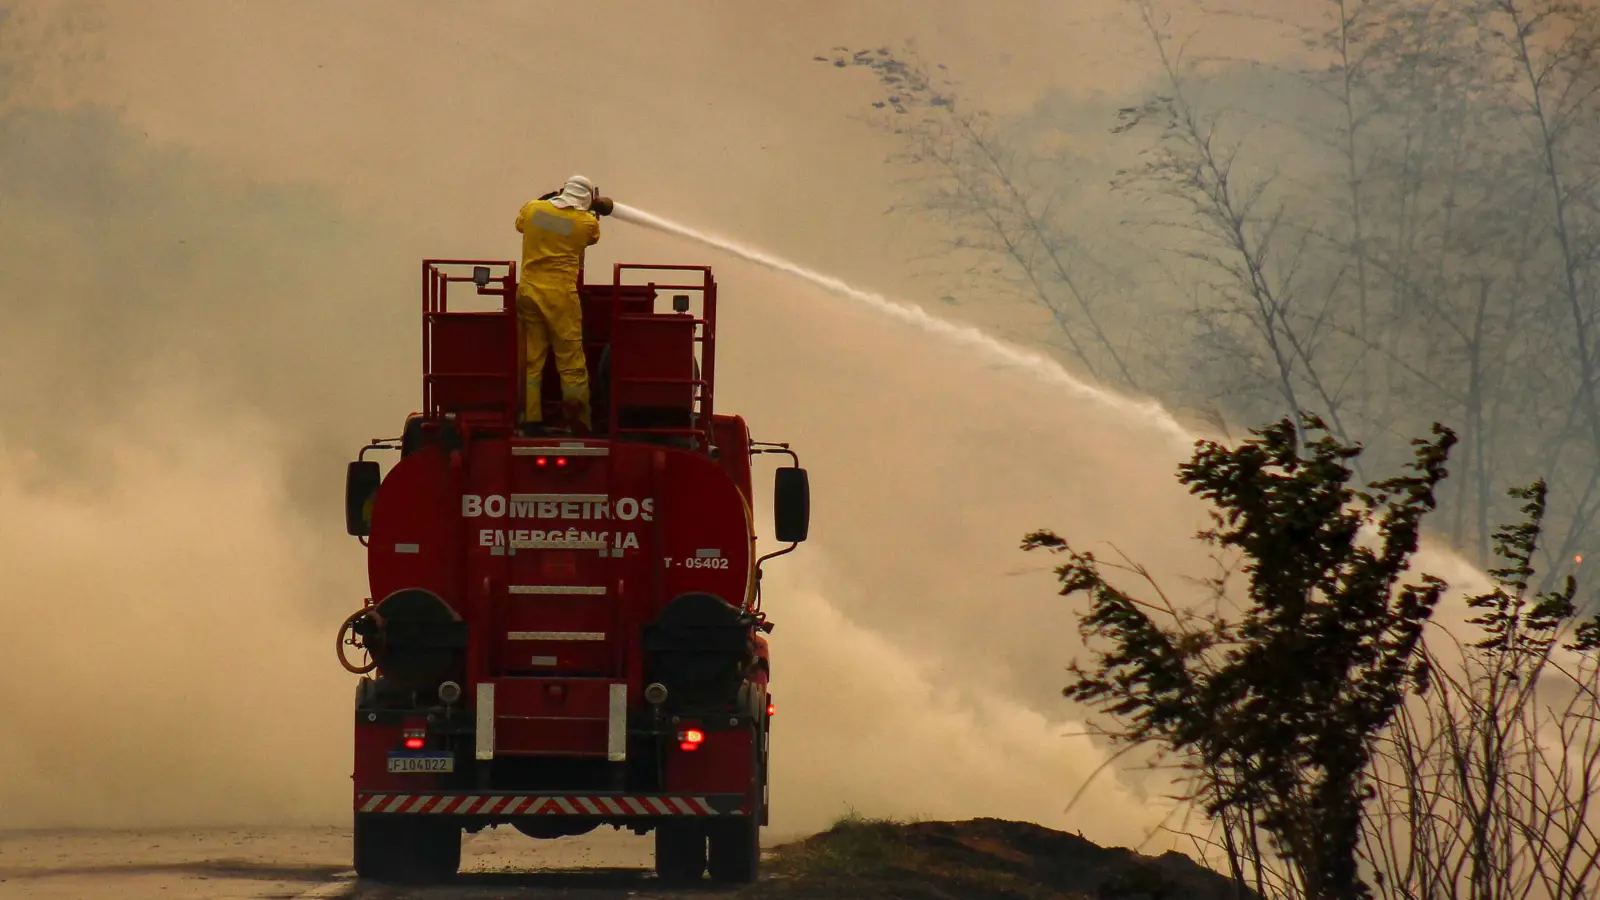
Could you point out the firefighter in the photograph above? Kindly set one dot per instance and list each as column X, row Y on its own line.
column 556, row 230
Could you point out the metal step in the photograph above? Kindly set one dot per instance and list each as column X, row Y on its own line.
column 562, row 603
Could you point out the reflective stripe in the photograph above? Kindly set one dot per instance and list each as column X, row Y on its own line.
column 556, row 636
column 564, row 450
column 617, row 736
column 708, row 554
column 550, row 222
column 527, row 804
column 587, row 589
column 407, row 548
column 486, row 720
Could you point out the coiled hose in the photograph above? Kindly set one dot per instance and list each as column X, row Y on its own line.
column 352, row 625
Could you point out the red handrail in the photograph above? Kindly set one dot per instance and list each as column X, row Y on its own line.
column 435, row 301
column 435, row 291
column 704, row 386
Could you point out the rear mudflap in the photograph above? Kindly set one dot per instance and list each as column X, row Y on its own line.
column 515, row 804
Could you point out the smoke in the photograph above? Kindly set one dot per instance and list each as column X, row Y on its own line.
column 157, row 670
column 861, row 726
column 209, row 304
column 1036, row 364
column 938, row 645
column 175, row 572
column 171, row 437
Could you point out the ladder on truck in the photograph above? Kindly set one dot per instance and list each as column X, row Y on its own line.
column 558, row 656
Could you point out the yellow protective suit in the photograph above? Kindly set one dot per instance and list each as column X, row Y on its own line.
column 554, row 239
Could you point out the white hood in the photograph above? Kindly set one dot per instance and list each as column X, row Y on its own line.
column 577, row 193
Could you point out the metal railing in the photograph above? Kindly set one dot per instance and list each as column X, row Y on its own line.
column 501, row 281
column 702, row 387
column 436, row 283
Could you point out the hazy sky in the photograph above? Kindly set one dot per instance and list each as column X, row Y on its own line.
column 313, row 152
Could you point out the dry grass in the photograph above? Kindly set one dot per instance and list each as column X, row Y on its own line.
column 879, row 859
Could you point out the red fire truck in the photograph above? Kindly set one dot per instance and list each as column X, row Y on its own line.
column 565, row 632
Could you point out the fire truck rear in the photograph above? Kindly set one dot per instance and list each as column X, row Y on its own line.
column 565, row 632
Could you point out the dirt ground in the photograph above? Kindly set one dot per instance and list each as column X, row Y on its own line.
column 861, row 859
column 311, row 864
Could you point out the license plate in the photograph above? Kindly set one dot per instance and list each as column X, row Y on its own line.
column 422, row 762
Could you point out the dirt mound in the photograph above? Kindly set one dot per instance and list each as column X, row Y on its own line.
column 987, row 858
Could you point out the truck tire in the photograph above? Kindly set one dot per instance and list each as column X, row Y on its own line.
column 736, row 850
column 406, row 850
column 680, row 852
column 736, row 840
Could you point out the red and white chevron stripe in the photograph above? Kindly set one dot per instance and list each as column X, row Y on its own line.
column 559, row 805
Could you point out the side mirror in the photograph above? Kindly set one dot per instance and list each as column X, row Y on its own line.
column 480, row 276
column 361, row 482
column 791, row 504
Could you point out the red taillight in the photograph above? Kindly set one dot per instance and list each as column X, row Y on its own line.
column 771, row 708
column 690, row 739
column 541, row 461
column 415, row 738
column 414, row 743
column 561, row 461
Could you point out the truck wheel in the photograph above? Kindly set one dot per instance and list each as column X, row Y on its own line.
column 736, row 850
column 406, row 850
column 680, row 852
